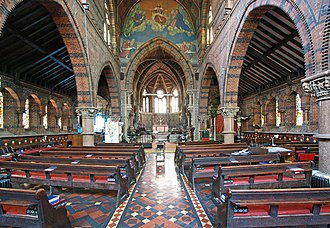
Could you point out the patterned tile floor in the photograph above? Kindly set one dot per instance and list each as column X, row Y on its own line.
column 161, row 199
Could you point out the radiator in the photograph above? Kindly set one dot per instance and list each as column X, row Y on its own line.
column 5, row 181
column 320, row 180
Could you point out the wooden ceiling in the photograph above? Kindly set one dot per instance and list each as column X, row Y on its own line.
column 32, row 50
column 275, row 55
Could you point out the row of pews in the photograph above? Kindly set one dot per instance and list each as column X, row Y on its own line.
column 250, row 189
column 105, row 167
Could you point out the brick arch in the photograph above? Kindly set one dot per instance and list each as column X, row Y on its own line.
column 149, row 47
column 35, row 108
column 325, row 62
column 11, row 109
column 244, row 33
column 71, row 36
column 270, row 109
column 205, row 88
column 114, row 90
column 52, row 113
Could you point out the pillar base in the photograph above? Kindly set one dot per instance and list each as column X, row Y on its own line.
column 229, row 137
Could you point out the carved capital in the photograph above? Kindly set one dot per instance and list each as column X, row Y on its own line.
column 318, row 85
column 229, row 111
column 86, row 111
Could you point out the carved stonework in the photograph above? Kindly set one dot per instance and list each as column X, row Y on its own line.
column 319, row 87
column 229, row 111
column 86, row 112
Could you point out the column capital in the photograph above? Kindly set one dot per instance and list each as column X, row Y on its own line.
column 318, row 85
column 229, row 111
column 86, row 111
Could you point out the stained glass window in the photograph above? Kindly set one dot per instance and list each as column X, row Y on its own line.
column 160, row 102
column 209, row 27
column 175, row 101
column 26, row 115
column 299, row 112
column 106, row 24
column 59, row 122
column 45, row 118
column 1, row 110
column 278, row 114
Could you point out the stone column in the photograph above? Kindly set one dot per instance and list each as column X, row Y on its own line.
column 319, row 86
column 87, row 115
column 228, row 116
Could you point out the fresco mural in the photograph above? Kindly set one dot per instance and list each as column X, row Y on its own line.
column 149, row 19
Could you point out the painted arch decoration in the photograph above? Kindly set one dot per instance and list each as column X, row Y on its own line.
column 149, row 19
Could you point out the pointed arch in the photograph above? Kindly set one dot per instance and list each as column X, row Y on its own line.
column 165, row 45
column 205, row 88
column 247, row 25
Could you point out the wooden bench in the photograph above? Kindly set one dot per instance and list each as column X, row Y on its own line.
column 92, row 154
column 186, row 156
column 139, row 154
column 124, row 163
column 274, row 208
column 14, row 204
column 181, row 149
column 117, row 147
column 206, row 167
column 281, row 175
column 69, row 175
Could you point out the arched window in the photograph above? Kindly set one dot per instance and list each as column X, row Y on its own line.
column 99, row 122
column 1, row 110
column 146, row 104
column 299, row 112
column 175, row 101
column 59, row 122
column 106, row 24
column 263, row 118
column 278, row 114
column 209, row 30
column 26, row 115
column 45, row 118
column 160, row 102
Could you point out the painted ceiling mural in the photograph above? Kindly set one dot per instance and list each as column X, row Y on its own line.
column 149, row 19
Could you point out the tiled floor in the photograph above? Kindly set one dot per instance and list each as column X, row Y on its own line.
column 160, row 198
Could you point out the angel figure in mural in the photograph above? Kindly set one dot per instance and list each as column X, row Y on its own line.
column 128, row 48
column 158, row 16
column 136, row 21
column 178, row 21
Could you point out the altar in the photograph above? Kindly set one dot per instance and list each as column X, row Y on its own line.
column 160, row 128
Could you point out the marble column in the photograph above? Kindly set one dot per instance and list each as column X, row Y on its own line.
column 319, row 86
column 228, row 114
column 87, row 115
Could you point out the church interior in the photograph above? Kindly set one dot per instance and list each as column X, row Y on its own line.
column 176, row 113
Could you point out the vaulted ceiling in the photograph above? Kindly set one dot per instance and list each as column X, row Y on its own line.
column 159, row 70
column 32, row 50
column 274, row 57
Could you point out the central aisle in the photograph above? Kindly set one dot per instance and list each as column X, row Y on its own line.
column 159, row 199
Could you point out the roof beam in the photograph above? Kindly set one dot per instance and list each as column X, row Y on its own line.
column 36, row 46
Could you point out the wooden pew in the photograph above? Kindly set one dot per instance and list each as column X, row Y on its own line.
column 279, row 175
column 123, row 163
column 15, row 202
column 186, row 156
column 275, row 208
column 69, row 175
column 181, row 149
column 115, row 147
column 138, row 151
column 206, row 167
column 92, row 154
